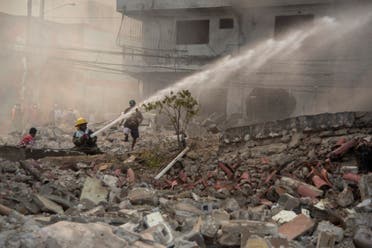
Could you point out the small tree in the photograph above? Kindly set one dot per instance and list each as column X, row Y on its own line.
column 179, row 108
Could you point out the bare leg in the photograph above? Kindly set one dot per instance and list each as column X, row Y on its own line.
column 134, row 143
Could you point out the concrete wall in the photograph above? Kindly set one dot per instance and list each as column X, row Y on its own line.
column 159, row 32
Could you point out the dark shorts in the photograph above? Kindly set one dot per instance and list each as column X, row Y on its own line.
column 134, row 133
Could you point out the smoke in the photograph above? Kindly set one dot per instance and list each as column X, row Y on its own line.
column 70, row 59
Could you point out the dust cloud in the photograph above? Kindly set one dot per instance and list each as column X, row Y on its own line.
column 324, row 65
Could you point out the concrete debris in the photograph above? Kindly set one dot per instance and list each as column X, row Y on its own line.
column 363, row 238
column 48, row 205
column 142, row 196
column 68, row 234
column 298, row 226
column 345, row 198
column 284, row 216
column 288, row 202
column 325, row 240
column 326, row 226
column 94, row 191
column 232, row 231
column 282, row 184
column 365, row 186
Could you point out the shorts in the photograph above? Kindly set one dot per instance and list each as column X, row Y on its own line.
column 133, row 132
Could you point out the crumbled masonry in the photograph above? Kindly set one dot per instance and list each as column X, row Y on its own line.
column 301, row 182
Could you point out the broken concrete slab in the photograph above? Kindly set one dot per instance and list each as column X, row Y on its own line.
column 325, row 240
column 231, row 231
column 298, row 226
column 209, row 227
column 143, row 196
column 326, row 226
column 345, row 198
column 186, row 209
column 302, row 188
column 47, row 205
column 160, row 233
column 220, row 215
column 365, row 206
column 288, row 202
column 365, row 186
column 284, row 216
column 94, row 191
column 69, row 234
column 230, row 205
column 363, row 238
column 256, row 242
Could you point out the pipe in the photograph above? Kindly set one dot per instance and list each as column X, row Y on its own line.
column 172, row 163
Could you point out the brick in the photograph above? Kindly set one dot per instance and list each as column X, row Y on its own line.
column 298, row 226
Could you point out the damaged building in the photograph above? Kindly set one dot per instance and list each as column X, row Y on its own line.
column 170, row 40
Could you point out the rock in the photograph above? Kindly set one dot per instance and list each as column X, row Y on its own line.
column 365, row 186
column 47, row 205
column 94, row 191
column 345, row 198
column 143, row 196
column 284, row 216
column 230, row 205
column 296, row 227
column 325, row 226
column 288, row 202
column 69, row 234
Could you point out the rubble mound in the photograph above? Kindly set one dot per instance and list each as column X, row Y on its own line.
column 299, row 182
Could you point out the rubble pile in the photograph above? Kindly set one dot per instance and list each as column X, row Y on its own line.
column 301, row 182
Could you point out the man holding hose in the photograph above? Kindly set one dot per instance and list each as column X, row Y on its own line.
column 132, row 123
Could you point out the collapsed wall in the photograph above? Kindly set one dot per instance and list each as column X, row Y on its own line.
column 336, row 124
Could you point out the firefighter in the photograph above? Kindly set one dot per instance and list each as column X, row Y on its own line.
column 82, row 136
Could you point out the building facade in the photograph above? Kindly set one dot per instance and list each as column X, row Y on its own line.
column 173, row 39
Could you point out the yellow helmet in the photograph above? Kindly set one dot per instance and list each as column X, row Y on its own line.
column 80, row 121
